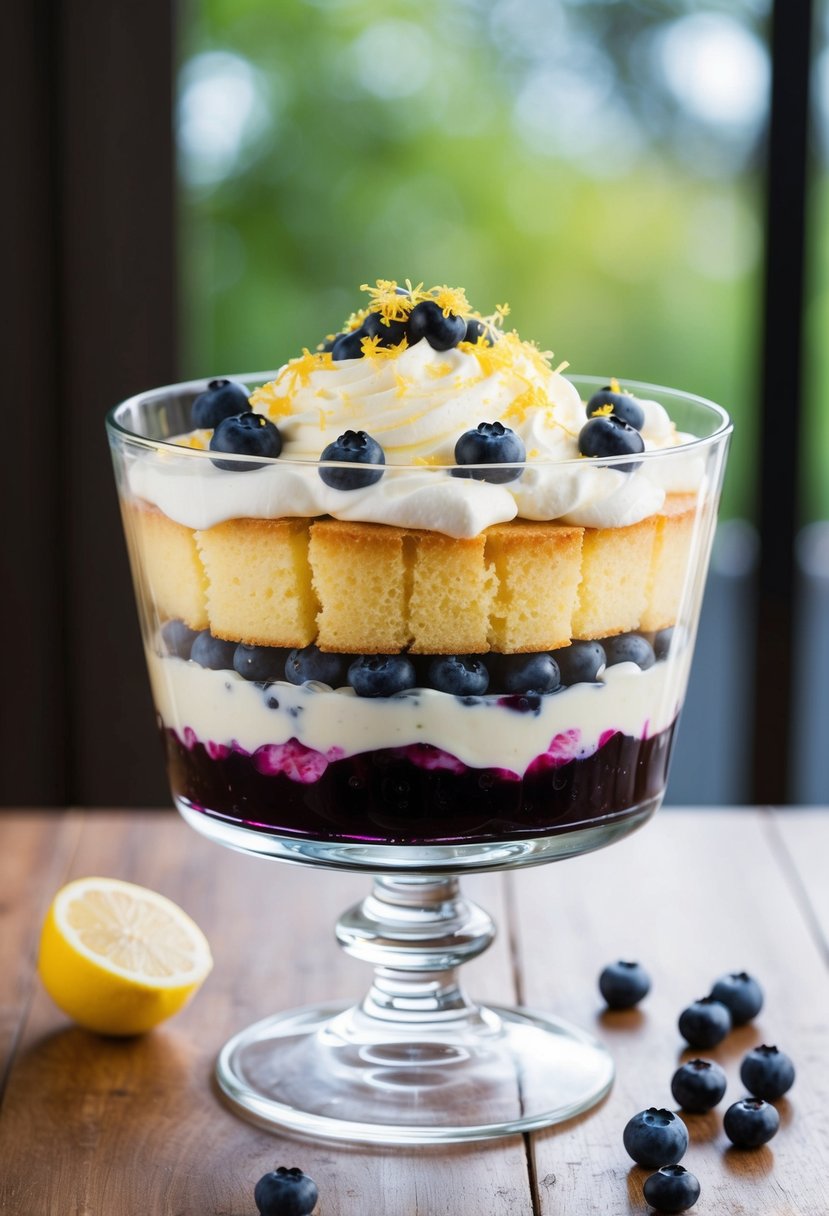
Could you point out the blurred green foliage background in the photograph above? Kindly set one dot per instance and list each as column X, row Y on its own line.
column 596, row 164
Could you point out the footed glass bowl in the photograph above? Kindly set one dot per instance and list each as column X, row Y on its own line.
column 339, row 689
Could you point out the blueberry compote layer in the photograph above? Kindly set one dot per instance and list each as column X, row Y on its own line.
column 386, row 797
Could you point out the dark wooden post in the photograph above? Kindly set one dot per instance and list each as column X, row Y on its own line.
column 95, row 319
column 779, row 431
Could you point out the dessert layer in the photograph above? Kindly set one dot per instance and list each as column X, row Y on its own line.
column 391, row 797
column 302, row 729
column 370, row 588
column 555, row 484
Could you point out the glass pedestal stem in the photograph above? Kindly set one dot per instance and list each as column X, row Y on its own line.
column 416, row 932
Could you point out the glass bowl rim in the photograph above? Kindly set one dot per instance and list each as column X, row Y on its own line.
column 648, row 391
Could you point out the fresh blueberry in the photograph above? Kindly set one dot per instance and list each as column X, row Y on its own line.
column 285, row 1192
column 381, row 675
column 656, row 1137
column 477, row 330
column 698, row 1085
column 178, row 638
column 259, row 663
column 767, row 1073
column 221, row 399
column 348, row 346
column 463, row 675
column 624, row 984
column 390, row 333
column 629, row 648
column 215, row 653
column 741, row 994
column 671, row 1189
column 353, row 447
column 625, row 407
column 750, row 1122
column 247, row 434
column 311, row 663
column 662, row 642
column 609, row 436
column 705, row 1023
column 426, row 320
column 529, row 703
column 522, row 673
column 491, row 443
column 580, row 662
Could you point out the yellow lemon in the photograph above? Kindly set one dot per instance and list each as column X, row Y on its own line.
column 119, row 958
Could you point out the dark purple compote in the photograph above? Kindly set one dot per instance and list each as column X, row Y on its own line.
column 396, row 797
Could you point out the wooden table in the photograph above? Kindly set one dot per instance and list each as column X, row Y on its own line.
column 95, row 1127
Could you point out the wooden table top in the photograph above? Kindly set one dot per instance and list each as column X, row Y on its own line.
column 97, row 1127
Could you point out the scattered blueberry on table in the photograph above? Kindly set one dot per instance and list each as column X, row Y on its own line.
column 672, row 1189
column 285, row 1192
column 750, row 1123
column 705, row 1023
column 655, row 1137
column 698, row 1085
column 767, row 1073
column 741, row 994
column 624, row 984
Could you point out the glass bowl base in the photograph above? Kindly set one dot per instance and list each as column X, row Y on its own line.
column 324, row 1071
column 455, row 858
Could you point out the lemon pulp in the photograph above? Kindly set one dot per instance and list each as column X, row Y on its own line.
column 119, row 958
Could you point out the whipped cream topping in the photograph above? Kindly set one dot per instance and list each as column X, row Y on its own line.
column 221, row 709
column 416, row 402
column 417, row 405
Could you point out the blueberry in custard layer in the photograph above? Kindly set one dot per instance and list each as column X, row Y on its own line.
column 414, row 748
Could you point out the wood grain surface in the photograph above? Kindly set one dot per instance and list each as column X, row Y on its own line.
column 96, row 1127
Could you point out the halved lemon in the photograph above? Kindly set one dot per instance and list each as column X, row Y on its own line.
column 119, row 958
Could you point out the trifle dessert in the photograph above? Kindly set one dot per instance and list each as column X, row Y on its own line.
column 418, row 587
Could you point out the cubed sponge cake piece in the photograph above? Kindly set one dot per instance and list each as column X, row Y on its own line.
column 360, row 577
column 170, row 562
column 669, row 564
column 259, row 581
column 615, row 568
column 452, row 592
column 538, row 567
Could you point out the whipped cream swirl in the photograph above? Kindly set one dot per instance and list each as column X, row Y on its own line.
column 416, row 402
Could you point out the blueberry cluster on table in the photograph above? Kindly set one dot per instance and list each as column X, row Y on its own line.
column 386, row 675
column 658, row 1137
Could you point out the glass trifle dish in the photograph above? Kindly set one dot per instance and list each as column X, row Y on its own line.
column 417, row 604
